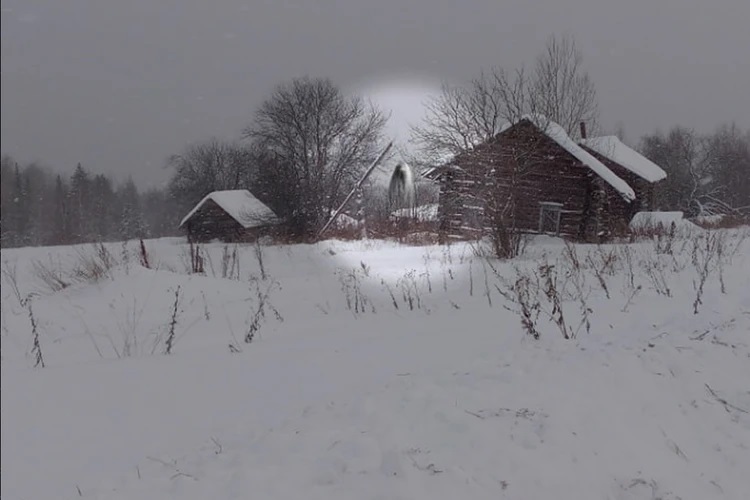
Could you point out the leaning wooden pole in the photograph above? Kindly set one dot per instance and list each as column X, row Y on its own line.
column 359, row 184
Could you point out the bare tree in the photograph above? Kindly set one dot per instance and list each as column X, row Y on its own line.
column 561, row 89
column 729, row 151
column 212, row 165
column 706, row 174
column 315, row 142
column 671, row 152
column 706, row 194
column 463, row 116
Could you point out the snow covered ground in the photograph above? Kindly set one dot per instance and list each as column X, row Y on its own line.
column 380, row 371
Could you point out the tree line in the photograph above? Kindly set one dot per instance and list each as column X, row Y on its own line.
column 40, row 207
column 308, row 143
column 707, row 174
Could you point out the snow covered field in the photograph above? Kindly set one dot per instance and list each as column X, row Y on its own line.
column 379, row 371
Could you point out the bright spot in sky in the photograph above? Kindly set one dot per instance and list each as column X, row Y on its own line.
column 404, row 98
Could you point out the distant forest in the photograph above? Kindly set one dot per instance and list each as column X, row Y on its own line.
column 41, row 207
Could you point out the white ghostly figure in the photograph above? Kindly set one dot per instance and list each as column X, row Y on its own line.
column 401, row 190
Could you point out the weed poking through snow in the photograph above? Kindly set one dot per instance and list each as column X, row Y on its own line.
column 11, row 277
column 410, row 290
column 258, row 251
column 230, row 264
column 351, row 286
column 36, row 348
column 258, row 310
column 144, row 255
column 707, row 256
column 169, row 343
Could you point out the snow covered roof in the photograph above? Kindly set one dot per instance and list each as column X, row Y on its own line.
column 558, row 134
column 241, row 205
column 444, row 159
column 429, row 172
column 434, row 173
column 611, row 147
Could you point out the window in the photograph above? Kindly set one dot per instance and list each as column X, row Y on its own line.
column 549, row 217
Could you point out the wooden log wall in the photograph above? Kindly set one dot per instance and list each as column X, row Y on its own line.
column 528, row 167
column 622, row 211
column 212, row 222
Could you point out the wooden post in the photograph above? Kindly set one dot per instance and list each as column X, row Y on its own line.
column 361, row 217
column 359, row 185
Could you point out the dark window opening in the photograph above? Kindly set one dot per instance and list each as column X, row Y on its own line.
column 549, row 217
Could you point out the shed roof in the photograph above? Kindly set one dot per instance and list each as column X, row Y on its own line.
column 241, row 205
column 613, row 148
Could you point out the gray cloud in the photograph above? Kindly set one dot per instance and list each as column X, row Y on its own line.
column 120, row 85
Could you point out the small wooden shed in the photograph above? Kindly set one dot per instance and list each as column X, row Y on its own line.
column 229, row 216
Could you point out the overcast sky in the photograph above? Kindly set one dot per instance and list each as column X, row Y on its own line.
column 119, row 85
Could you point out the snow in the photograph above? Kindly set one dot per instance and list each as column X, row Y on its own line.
column 662, row 221
column 344, row 221
column 422, row 213
column 612, row 148
column 648, row 218
column 555, row 132
column 444, row 159
column 448, row 400
column 241, row 205
column 709, row 220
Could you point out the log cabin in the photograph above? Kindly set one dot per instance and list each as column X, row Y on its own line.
column 538, row 180
column 230, row 216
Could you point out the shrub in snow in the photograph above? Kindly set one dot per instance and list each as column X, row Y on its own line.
column 50, row 275
column 94, row 265
column 90, row 266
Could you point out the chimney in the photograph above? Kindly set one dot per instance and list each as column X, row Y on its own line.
column 583, row 130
